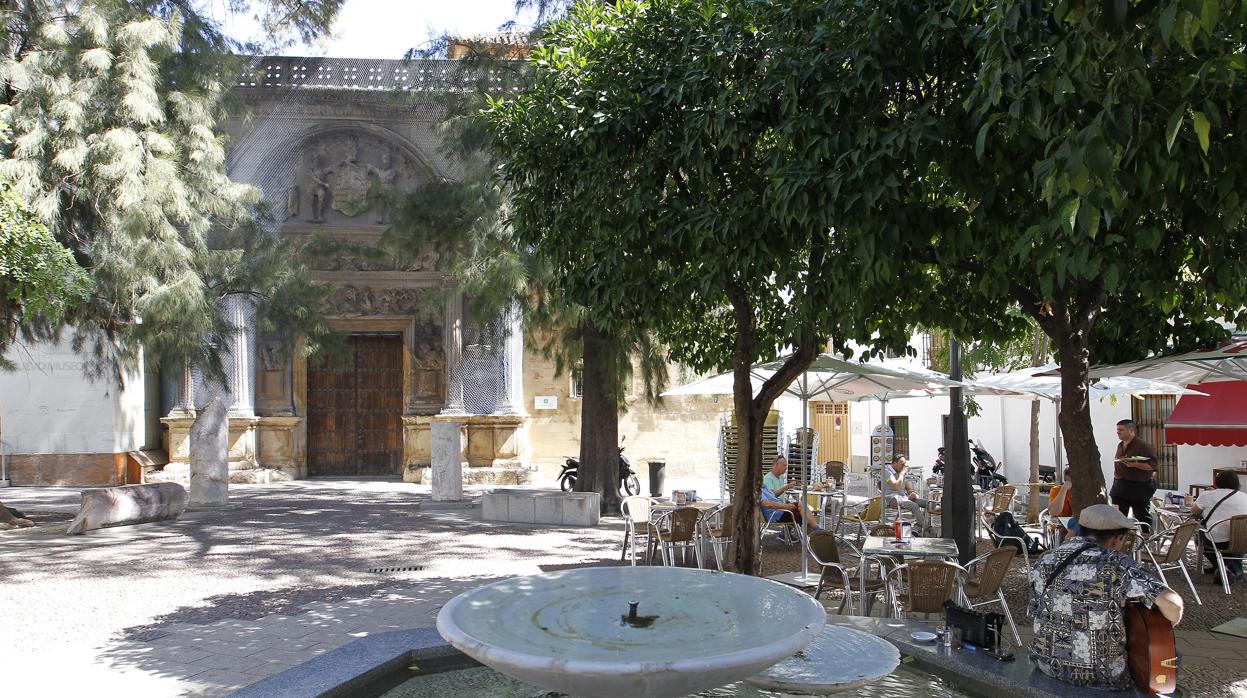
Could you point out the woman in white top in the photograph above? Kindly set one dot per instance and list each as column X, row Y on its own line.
column 1221, row 504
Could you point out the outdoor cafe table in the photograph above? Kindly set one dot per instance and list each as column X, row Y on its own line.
column 838, row 501
column 876, row 546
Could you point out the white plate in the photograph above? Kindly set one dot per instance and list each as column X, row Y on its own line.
column 921, row 636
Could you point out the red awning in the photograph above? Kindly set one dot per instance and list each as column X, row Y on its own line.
column 1217, row 420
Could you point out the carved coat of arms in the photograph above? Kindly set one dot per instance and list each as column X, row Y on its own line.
column 349, row 184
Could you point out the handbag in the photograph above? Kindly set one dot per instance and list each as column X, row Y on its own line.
column 977, row 627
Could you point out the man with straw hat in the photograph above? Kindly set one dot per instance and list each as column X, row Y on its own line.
column 1078, row 591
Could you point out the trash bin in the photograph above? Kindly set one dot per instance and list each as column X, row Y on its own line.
column 657, row 473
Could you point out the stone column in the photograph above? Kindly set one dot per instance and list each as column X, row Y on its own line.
column 209, row 438
column 447, row 431
column 511, row 396
column 447, row 463
column 185, row 406
column 238, row 353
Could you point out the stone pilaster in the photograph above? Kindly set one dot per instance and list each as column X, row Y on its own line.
column 510, row 386
column 454, row 354
column 239, row 374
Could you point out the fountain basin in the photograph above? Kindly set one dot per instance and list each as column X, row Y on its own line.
column 567, row 631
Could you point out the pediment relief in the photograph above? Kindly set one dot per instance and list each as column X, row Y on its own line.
column 340, row 176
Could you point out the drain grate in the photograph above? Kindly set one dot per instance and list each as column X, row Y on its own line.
column 383, row 570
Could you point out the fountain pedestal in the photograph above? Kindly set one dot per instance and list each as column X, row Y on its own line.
column 575, row 632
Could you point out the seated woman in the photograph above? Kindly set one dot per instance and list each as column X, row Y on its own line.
column 1061, row 508
column 774, row 507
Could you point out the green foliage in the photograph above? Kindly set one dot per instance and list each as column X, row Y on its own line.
column 113, row 109
column 39, row 280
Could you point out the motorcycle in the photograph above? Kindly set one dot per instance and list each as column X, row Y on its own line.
column 628, row 481
column 985, row 467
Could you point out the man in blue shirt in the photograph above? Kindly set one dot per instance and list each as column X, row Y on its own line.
column 774, row 506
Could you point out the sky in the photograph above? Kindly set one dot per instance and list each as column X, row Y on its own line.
column 387, row 28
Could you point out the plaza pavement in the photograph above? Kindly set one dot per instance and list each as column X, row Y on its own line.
column 221, row 599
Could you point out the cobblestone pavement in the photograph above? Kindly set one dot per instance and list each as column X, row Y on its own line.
column 221, row 599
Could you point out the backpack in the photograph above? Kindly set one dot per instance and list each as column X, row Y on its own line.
column 1006, row 525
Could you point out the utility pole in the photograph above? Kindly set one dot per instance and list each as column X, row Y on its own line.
column 957, row 519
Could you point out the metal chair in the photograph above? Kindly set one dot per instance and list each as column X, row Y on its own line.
column 636, row 511
column 825, row 549
column 987, row 519
column 922, row 586
column 1167, row 551
column 716, row 529
column 677, row 527
column 784, row 520
column 834, row 470
column 871, row 513
column 1236, row 548
column 985, row 589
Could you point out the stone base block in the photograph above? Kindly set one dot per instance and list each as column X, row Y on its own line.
column 542, row 507
column 506, row 475
column 248, row 476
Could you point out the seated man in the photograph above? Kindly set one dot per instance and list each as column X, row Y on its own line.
column 774, row 507
column 1078, row 591
column 902, row 493
column 1221, row 504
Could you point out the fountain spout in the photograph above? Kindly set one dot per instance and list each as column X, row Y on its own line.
column 634, row 620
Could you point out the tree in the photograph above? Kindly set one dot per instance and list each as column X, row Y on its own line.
column 644, row 161
column 465, row 219
column 112, row 107
column 1074, row 161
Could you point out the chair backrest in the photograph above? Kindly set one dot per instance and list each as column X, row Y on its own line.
column 636, row 507
column 1002, row 497
column 1128, row 542
column 931, row 583
column 1238, row 535
column 885, row 530
column 825, row 547
column 1178, row 540
column 813, row 501
column 995, row 567
column 683, row 525
column 835, row 471
column 723, row 515
column 874, row 509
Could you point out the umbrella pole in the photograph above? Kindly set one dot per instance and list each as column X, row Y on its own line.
column 1060, row 443
column 805, row 479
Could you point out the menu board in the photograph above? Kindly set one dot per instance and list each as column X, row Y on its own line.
column 881, row 445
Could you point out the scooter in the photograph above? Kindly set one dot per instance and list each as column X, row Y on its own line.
column 985, row 467
column 628, row 481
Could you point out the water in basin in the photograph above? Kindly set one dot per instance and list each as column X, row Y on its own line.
column 483, row 682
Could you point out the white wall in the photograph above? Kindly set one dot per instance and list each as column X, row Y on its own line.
column 48, row 406
column 1195, row 463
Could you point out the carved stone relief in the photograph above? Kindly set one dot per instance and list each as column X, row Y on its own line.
column 354, row 262
column 428, row 364
column 339, row 176
column 354, row 301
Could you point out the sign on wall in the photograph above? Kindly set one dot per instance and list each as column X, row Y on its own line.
column 546, row 402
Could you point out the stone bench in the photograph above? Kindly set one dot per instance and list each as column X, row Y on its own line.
column 542, row 507
column 129, row 504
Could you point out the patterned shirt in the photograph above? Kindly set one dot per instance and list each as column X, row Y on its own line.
column 1080, row 631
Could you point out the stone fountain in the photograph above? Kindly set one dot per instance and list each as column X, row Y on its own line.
column 619, row 632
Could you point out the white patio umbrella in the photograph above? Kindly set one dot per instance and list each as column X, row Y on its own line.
column 1226, row 362
column 1045, row 382
column 831, row 378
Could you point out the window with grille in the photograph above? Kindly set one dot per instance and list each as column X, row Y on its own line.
column 1150, row 415
column 576, row 381
column 900, row 435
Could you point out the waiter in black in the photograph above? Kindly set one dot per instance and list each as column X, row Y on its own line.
column 1134, row 473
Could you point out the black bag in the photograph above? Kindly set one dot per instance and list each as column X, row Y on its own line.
column 1006, row 525
column 979, row 628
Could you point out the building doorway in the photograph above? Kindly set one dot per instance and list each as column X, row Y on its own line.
column 355, row 409
column 831, row 421
column 1149, row 415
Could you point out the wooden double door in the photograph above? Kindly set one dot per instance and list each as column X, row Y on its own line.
column 355, row 409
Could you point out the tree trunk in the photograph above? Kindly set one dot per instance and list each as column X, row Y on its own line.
column 751, row 415
column 1039, row 356
column 1081, row 451
column 8, row 520
column 957, row 518
column 599, row 417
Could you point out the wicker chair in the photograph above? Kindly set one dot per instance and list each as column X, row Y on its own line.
column 1237, row 548
column 834, row 470
column 985, row 589
column 1172, row 555
column 677, row 527
column 716, row 528
column 636, row 511
column 825, row 549
column 922, row 586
